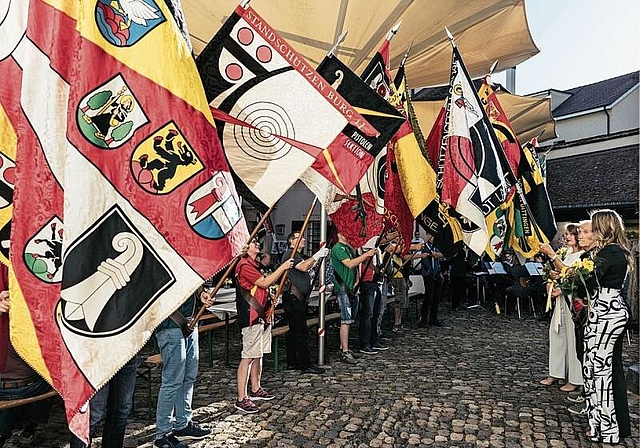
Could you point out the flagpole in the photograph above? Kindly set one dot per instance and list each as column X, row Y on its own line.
column 293, row 254
column 392, row 32
column 406, row 55
column 245, row 4
column 338, row 42
column 230, row 267
column 322, row 286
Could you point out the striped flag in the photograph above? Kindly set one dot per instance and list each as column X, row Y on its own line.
column 120, row 150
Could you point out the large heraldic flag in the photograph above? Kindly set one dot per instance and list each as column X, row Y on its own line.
column 275, row 113
column 134, row 204
column 471, row 176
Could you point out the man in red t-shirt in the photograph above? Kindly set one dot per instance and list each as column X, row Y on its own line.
column 253, row 303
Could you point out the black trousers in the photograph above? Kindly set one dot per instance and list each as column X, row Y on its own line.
column 457, row 291
column 297, row 338
column 618, row 379
column 432, row 295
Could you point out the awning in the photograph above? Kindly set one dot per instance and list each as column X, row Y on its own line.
column 529, row 116
column 485, row 31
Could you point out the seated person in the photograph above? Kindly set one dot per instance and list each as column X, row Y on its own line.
column 18, row 380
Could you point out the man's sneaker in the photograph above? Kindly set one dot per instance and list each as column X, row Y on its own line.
column 576, row 398
column 368, row 351
column 192, row 431
column 379, row 347
column 348, row 358
column 247, row 406
column 261, row 394
column 355, row 355
column 169, row 441
column 395, row 328
column 578, row 409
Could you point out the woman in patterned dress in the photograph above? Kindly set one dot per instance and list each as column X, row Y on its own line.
column 607, row 406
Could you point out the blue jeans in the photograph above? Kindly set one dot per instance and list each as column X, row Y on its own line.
column 37, row 412
column 180, row 358
column 114, row 401
column 370, row 294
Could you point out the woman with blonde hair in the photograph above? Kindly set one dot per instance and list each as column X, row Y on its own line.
column 563, row 360
column 608, row 316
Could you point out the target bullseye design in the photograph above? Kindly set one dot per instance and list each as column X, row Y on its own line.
column 259, row 140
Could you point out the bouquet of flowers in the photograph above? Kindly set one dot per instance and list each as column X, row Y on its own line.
column 576, row 275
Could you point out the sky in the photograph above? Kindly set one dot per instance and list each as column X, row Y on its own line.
column 580, row 42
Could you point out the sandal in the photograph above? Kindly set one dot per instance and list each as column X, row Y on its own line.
column 568, row 387
column 548, row 381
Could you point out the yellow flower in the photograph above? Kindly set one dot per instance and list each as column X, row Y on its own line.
column 588, row 265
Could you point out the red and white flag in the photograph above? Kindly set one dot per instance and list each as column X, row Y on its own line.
column 123, row 200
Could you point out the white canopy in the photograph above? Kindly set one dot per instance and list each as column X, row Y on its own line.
column 484, row 30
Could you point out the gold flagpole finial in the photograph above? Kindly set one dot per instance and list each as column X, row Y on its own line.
column 450, row 36
column 338, row 42
column 392, row 32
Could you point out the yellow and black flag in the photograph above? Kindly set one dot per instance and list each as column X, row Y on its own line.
column 527, row 231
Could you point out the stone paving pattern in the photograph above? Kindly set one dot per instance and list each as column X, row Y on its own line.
column 472, row 383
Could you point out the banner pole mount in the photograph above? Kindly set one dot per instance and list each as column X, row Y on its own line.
column 245, row 4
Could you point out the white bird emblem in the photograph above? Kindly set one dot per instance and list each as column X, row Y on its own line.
column 138, row 11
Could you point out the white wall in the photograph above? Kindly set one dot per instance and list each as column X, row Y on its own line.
column 583, row 126
column 624, row 115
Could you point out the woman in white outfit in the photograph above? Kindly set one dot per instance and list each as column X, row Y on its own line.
column 563, row 361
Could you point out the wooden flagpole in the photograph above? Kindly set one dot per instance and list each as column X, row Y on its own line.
column 293, row 254
column 230, row 268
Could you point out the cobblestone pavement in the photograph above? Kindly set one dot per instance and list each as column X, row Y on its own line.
column 472, row 383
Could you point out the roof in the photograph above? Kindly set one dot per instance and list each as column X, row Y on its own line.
column 597, row 179
column 599, row 94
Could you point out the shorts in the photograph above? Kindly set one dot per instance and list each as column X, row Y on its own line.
column 256, row 341
column 348, row 307
column 401, row 293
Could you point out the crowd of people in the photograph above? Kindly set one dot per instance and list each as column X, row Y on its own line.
column 585, row 327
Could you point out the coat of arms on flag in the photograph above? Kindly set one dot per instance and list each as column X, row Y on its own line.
column 212, row 210
column 164, row 161
column 125, row 22
column 110, row 114
column 43, row 252
column 105, row 294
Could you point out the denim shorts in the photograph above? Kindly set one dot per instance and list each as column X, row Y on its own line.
column 348, row 307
